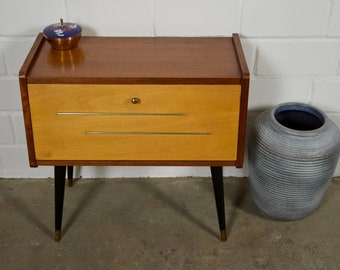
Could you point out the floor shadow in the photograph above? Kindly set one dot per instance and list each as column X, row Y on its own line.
column 23, row 209
column 237, row 198
column 158, row 194
column 88, row 196
column 239, row 195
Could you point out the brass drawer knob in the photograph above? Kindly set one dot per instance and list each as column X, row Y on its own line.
column 135, row 100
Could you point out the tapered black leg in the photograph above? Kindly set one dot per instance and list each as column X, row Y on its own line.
column 70, row 176
column 217, row 179
column 59, row 189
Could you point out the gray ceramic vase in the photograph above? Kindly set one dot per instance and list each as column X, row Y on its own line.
column 293, row 151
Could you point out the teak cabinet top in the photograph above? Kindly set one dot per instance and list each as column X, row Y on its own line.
column 136, row 60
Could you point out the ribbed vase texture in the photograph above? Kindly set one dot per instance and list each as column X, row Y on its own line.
column 293, row 152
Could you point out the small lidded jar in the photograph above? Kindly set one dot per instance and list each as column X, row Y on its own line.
column 63, row 36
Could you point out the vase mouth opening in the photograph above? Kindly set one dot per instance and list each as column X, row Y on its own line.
column 299, row 117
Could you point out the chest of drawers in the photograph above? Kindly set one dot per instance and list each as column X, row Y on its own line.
column 135, row 101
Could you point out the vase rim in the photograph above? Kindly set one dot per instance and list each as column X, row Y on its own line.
column 304, row 108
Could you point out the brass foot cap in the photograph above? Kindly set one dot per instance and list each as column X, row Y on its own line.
column 69, row 182
column 223, row 236
column 57, row 236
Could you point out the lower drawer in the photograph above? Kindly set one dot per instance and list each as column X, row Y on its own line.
column 135, row 122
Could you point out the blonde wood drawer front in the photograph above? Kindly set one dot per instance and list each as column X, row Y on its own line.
column 135, row 122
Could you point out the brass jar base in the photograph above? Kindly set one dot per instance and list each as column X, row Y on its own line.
column 64, row 44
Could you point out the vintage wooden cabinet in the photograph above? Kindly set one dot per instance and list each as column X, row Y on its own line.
column 150, row 101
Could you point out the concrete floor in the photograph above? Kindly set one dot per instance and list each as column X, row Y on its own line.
column 159, row 224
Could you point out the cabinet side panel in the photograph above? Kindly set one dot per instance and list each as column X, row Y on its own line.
column 23, row 73
column 244, row 98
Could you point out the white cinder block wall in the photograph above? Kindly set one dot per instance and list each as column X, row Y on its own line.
column 292, row 48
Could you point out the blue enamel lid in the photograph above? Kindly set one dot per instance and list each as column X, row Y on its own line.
column 62, row 30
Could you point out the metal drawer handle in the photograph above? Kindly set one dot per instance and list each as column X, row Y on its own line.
column 135, row 100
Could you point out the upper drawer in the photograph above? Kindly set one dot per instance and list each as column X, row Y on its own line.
column 82, row 98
